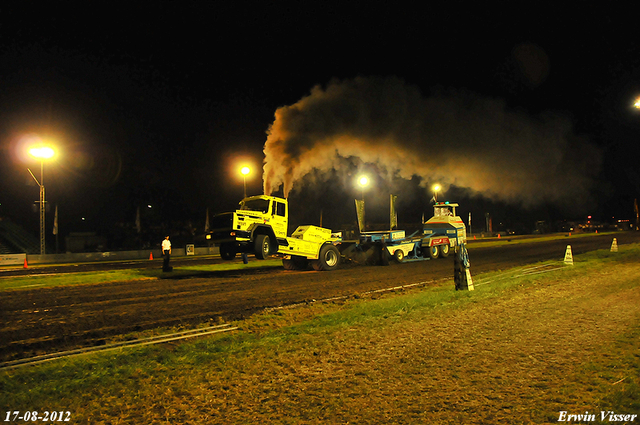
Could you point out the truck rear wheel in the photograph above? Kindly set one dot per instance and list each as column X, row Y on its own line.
column 328, row 259
column 434, row 252
column 262, row 246
column 227, row 251
column 444, row 250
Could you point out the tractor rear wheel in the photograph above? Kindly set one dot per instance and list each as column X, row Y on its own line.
column 444, row 250
column 434, row 252
column 328, row 259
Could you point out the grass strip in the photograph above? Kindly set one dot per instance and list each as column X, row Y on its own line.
column 95, row 277
column 517, row 239
column 517, row 350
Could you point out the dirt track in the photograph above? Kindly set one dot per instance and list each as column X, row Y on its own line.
column 52, row 319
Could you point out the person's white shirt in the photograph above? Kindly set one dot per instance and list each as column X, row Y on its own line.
column 166, row 245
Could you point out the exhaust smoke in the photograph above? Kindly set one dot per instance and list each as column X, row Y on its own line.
column 455, row 138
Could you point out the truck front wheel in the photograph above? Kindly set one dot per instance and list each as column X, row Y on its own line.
column 262, row 246
column 434, row 251
column 328, row 259
column 444, row 250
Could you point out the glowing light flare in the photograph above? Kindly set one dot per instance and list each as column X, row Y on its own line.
column 245, row 170
column 42, row 152
column 636, row 104
column 436, row 188
column 363, row 181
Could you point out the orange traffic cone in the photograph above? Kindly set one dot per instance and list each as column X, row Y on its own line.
column 151, row 256
column 25, row 263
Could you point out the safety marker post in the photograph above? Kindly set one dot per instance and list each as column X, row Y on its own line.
column 614, row 245
column 461, row 272
column 568, row 256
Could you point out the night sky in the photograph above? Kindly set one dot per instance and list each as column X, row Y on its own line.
column 157, row 104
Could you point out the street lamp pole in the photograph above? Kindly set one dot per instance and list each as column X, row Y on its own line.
column 41, row 203
column 41, row 153
column 245, row 171
column 43, row 246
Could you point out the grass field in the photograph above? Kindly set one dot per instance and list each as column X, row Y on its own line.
column 518, row 349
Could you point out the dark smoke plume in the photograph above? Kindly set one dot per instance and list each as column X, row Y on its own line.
column 453, row 138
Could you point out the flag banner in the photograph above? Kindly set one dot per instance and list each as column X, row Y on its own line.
column 393, row 215
column 55, row 222
column 138, row 226
column 360, row 213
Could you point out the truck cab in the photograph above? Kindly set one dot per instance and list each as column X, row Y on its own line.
column 258, row 225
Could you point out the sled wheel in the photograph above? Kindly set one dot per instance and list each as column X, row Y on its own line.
column 398, row 255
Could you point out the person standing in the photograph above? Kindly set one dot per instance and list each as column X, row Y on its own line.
column 166, row 253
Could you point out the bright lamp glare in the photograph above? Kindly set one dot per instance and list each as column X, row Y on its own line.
column 43, row 152
column 245, row 170
column 436, row 188
column 364, row 181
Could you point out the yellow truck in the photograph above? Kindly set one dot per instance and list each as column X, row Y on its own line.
column 259, row 226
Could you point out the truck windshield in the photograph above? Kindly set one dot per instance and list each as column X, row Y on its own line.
column 261, row 205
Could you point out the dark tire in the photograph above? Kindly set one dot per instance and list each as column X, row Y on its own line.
column 329, row 258
column 295, row 263
column 262, row 246
column 288, row 264
column 227, row 251
column 434, row 252
column 398, row 255
column 444, row 250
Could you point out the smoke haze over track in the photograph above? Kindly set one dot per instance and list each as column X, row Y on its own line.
column 452, row 137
